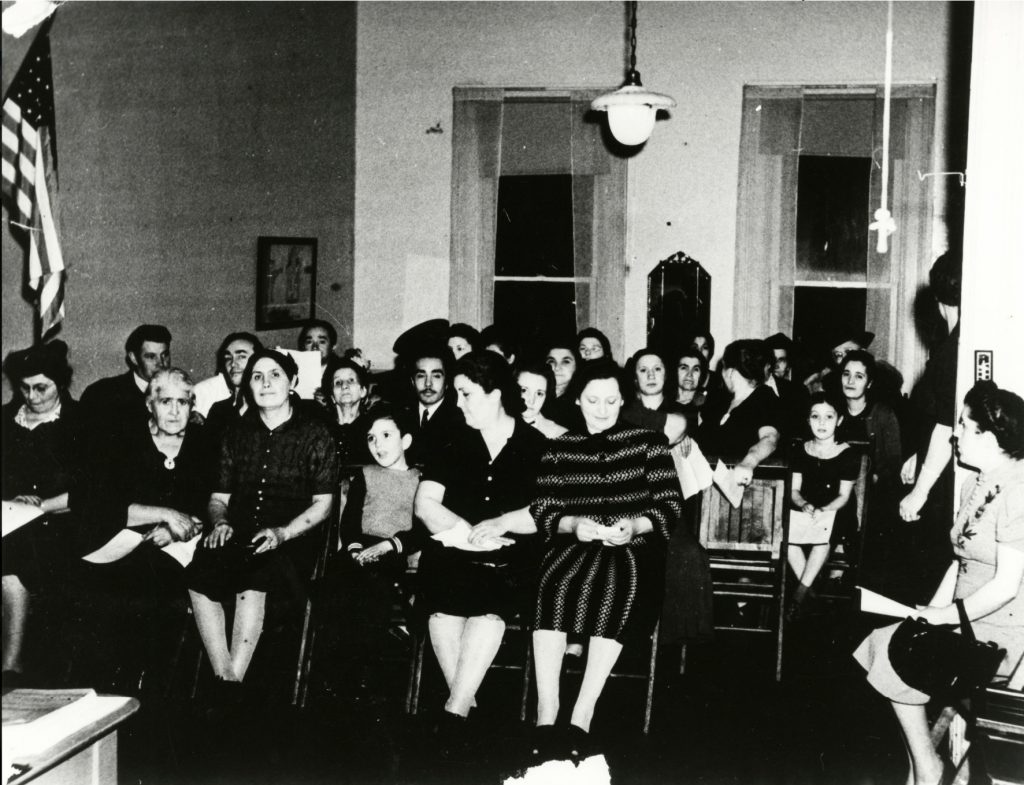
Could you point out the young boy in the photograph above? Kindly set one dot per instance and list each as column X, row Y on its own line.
column 377, row 536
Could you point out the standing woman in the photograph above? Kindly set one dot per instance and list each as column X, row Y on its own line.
column 40, row 441
column 607, row 500
column 691, row 373
column 564, row 359
column 481, row 482
column 987, row 571
column 277, row 477
column 592, row 344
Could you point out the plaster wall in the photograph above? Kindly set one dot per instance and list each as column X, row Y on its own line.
column 682, row 185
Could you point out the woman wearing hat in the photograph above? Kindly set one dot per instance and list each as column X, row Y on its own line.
column 40, row 439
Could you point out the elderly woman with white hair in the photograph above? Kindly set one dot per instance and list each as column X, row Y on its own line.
column 153, row 480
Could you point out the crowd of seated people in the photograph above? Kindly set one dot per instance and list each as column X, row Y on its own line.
column 539, row 490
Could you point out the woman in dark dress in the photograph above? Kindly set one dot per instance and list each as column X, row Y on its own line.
column 276, row 482
column 344, row 386
column 745, row 424
column 607, row 501
column 40, row 441
column 154, row 481
column 476, row 492
column 564, row 359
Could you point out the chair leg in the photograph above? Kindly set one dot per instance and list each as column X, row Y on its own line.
column 527, row 666
column 412, row 693
column 302, row 665
column 682, row 660
column 648, row 705
column 781, row 621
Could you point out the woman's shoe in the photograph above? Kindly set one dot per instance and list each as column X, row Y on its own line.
column 579, row 744
column 546, row 742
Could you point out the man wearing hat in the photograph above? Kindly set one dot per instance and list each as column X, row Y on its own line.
column 109, row 404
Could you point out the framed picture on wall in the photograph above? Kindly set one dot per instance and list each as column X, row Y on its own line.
column 285, row 281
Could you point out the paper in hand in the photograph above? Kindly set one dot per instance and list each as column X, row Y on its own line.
column 693, row 469
column 17, row 514
column 726, row 483
column 873, row 602
column 458, row 537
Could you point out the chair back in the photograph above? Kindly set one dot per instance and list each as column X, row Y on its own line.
column 757, row 525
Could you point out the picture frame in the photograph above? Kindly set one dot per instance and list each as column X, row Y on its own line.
column 285, row 281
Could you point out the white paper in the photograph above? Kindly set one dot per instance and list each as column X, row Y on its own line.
column 17, row 514
column 209, row 391
column 873, row 602
column 805, row 530
column 310, row 371
column 726, row 483
column 694, row 471
column 458, row 537
column 127, row 540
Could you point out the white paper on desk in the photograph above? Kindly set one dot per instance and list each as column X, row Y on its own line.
column 693, row 469
column 458, row 537
column 309, row 371
column 17, row 514
column 127, row 540
column 726, row 483
column 873, row 602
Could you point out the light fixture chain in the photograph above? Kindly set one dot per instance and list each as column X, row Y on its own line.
column 632, row 36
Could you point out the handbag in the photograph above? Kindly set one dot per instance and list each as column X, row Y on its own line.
column 936, row 660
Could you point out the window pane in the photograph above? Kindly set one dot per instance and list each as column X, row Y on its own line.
column 820, row 314
column 534, row 233
column 833, row 204
column 535, row 312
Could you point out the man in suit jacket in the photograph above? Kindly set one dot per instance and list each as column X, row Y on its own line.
column 115, row 402
column 436, row 416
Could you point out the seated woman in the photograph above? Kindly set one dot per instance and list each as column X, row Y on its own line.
column 537, row 385
column 564, row 359
column 745, row 423
column 652, row 402
column 154, row 481
column 691, row 374
column 463, row 339
column 276, row 482
column 39, row 456
column 607, row 501
column 344, row 386
column 988, row 568
column 592, row 344
column 482, row 482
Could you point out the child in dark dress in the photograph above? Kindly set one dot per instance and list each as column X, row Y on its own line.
column 824, row 471
column 377, row 536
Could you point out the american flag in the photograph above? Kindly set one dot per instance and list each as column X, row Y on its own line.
column 30, row 176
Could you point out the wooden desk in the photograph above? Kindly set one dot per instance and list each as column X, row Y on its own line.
column 86, row 757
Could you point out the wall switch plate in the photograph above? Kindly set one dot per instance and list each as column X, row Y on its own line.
column 983, row 365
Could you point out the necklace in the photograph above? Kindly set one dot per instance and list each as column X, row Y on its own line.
column 169, row 463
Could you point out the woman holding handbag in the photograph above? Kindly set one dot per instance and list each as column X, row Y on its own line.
column 985, row 577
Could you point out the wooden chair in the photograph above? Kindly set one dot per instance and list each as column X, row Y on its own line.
column 993, row 721
column 747, row 550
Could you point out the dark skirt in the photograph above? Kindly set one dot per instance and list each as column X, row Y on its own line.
column 464, row 583
column 221, row 573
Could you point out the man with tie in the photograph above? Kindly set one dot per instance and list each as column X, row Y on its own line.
column 436, row 415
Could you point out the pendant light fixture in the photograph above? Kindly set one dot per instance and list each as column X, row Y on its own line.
column 632, row 108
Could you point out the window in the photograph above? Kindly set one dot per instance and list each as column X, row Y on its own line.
column 538, row 205
column 809, row 184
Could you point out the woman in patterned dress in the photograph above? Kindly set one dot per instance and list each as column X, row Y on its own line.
column 988, row 568
column 608, row 498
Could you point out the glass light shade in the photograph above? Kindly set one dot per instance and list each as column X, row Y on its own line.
column 631, row 112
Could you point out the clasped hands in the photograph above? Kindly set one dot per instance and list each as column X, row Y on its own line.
column 619, row 533
column 175, row 527
column 490, row 534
